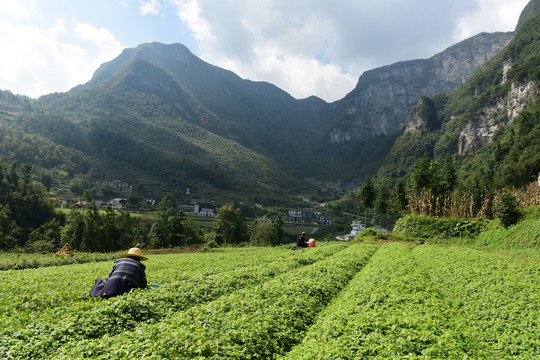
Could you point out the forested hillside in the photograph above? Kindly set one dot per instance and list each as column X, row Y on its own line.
column 162, row 120
column 490, row 124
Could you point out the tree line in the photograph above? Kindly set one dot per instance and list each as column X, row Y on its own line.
column 434, row 189
column 30, row 222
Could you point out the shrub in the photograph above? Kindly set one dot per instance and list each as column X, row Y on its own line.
column 212, row 244
column 505, row 208
column 428, row 227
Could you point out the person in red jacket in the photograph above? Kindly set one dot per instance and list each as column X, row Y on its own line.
column 311, row 242
column 128, row 273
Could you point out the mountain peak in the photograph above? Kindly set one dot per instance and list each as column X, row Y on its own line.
column 531, row 9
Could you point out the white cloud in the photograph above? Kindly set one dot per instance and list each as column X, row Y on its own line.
column 190, row 13
column 17, row 9
column 319, row 47
column 40, row 60
column 306, row 47
column 149, row 7
column 490, row 16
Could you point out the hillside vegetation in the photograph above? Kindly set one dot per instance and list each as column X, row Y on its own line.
column 161, row 119
column 457, row 123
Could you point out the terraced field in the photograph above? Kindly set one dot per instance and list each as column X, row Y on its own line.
column 335, row 301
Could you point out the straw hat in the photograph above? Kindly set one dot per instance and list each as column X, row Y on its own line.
column 312, row 240
column 134, row 252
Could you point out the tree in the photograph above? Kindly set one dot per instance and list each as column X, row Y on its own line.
column 230, row 226
column 127, row 226
column 278, row 223
column 110, row 231
column 448, row 174
column 367, row 196
column 177, row 236
column 26, row 204
column 5, row 225
column 398, row 200
column 46, row 180
column 171, row 228
column 505, row 208
column 265, row 232
column 425, row 175
column 381, row 204
column 73, row 231
column 192, row 233
column 93, row 223
column 46, row 238
column 161, row 229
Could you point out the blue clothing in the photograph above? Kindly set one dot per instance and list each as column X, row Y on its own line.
column 126, row 274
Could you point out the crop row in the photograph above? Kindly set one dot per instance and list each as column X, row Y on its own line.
column 496, row 299
column 10, row 261
column 431, row 302
column 45, row 308
column 256, row 322
column 390, row 309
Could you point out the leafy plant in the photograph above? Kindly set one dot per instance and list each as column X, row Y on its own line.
column 506, row 209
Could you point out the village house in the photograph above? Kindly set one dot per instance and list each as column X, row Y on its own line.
column 81, row 204
column 207, row 212
column 295, row 216
column 535, row 172
column 190, row 209
column 299, row 216
column 117, row 185
column 326, row 220
column 118, row 203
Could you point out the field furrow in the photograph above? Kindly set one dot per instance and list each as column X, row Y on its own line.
column 495, row 299
column 391, row 309
column 42, row 309
column 346, row 301
column 257, row 322
column 431, row 302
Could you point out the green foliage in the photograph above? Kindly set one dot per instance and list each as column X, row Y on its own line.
column 264, row 232
column 367, row 195
column 399, row 199
column 428, row 302
column 212, row 244
column 19, row 261
column 425, row 175
column 186, row 282
column 488, row 165
column 94, row 230
column 381, row 203
column 426, row 227
column 525, row 234
column 230, row 226
column 506, row 209
column 24, row 205
column 46, row 238
column 333, row 301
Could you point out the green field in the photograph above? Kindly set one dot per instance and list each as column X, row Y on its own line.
column 335, row 301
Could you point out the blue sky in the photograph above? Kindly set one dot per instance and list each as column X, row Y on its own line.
column 306, row 47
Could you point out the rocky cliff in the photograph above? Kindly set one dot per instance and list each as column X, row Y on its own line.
column 479, row 130
column 383, row 97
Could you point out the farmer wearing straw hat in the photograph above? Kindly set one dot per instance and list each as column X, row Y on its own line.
column 127, row 273
column 301, row 242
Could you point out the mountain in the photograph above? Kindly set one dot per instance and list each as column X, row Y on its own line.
column 489, row 124
column 145, row 125
column 383, row 97
column 268, row 114
column 163, row 120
